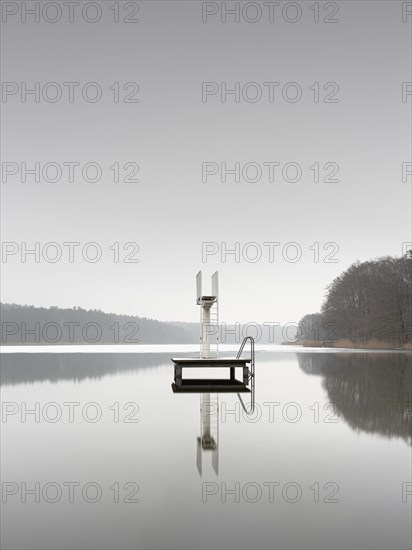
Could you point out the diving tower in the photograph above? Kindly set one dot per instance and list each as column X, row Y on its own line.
column 209, row 351
column 209, row 318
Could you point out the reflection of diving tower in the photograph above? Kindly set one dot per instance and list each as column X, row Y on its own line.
column 209, row 318
column 209, row 430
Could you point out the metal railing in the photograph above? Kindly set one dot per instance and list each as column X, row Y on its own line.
column 251, row 373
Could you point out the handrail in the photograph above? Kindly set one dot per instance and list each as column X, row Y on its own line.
column 251, row 373
column 252, row 349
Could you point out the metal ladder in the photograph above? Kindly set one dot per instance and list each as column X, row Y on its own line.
column 251, row 373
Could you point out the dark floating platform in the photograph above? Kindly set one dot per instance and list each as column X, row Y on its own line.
column 210, row 385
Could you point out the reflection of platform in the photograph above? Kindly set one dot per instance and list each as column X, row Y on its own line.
column 211, row 384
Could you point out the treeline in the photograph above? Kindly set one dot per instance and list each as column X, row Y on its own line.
column 22, row 324
column 369, row 302
column 39, row 325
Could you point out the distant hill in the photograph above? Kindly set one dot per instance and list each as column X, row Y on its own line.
column 38, row 325
column 22, row 324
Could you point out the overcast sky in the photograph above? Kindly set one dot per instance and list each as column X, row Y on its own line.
column 172, row 130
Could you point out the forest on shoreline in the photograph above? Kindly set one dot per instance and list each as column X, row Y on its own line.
column 368, row 306
column 22, row 324
column 31, row 325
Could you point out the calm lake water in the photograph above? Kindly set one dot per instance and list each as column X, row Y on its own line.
column 110, row 457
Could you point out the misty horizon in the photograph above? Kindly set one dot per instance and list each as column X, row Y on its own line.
column 195, row 317
column 322, row 156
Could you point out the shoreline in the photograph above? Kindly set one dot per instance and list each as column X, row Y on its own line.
column 348, row 344
column 288, row 347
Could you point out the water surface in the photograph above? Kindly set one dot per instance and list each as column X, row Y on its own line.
column 323, row 462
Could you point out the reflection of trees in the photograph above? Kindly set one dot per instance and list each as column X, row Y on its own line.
column 18, row 368
column 371, row 391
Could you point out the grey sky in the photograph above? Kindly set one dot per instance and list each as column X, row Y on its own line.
column 170, row 212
